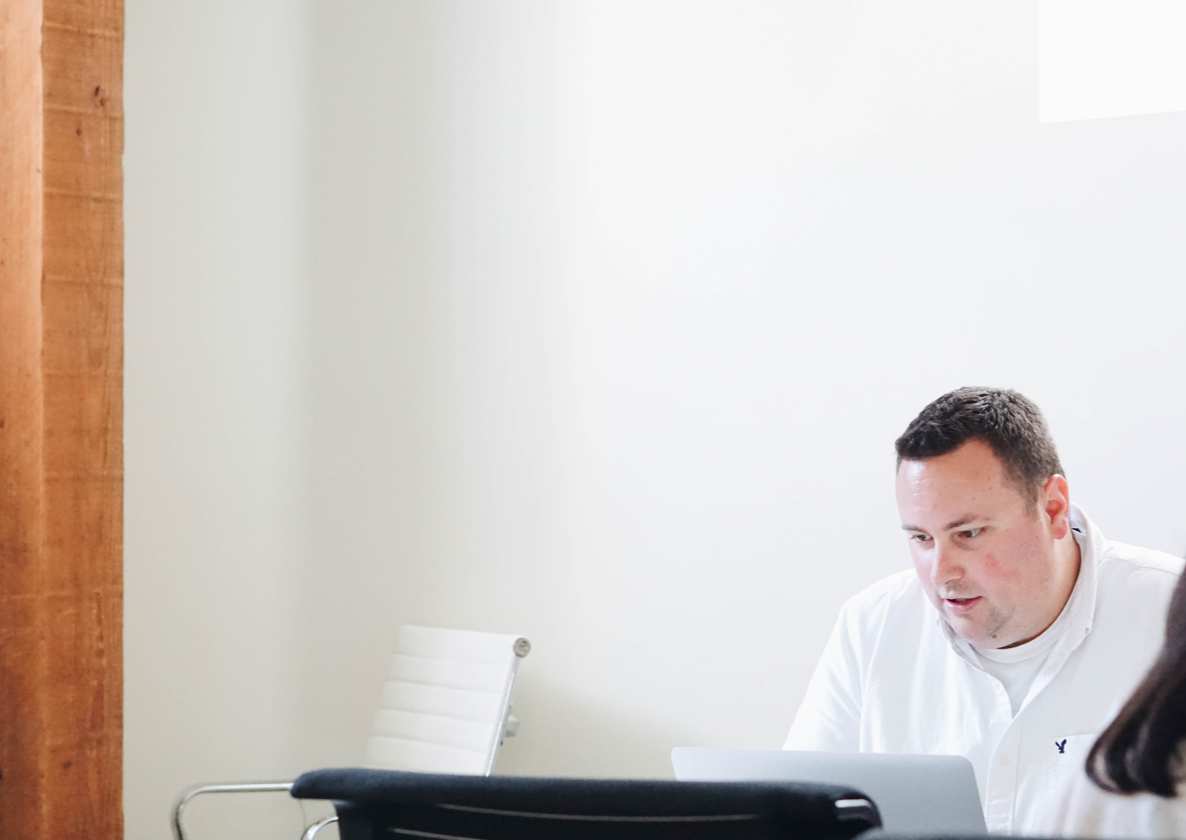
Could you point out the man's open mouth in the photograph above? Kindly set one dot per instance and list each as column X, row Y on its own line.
column 961, row 604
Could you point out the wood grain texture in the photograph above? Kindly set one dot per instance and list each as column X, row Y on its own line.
column 22, row 657
column 61, row 418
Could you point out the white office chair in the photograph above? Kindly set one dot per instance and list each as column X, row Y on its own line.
column 445, row 708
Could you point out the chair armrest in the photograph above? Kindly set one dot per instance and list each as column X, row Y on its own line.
column 234, row 787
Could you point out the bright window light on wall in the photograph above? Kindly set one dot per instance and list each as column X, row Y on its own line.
column 1110, row 58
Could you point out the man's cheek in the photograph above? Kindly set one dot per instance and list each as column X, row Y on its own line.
column 992, row 567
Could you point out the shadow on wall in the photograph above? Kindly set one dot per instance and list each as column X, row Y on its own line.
column 563, row 733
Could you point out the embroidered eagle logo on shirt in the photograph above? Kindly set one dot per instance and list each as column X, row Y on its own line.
column 1062, row 746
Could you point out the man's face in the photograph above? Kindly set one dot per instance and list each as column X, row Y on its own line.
column 986, row 558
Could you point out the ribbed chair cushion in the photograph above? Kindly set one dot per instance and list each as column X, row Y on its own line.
column 442, row 706
column 373, row 804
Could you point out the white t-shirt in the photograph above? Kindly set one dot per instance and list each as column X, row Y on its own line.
column 895, row 678
column 1018, row 667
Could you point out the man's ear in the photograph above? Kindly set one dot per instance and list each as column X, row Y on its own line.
column 1055, row 502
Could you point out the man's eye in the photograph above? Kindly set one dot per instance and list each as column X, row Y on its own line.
column 971, row 533
column 920, row 537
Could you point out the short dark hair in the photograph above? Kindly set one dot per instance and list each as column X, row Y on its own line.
column 1008, row 422
column 1138, row 752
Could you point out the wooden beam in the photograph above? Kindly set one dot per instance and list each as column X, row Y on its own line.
column 21, row 409
column 61, row 418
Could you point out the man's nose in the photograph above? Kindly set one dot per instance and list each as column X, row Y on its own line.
column 945, row 566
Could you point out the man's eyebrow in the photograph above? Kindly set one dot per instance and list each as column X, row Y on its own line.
column 963, row 520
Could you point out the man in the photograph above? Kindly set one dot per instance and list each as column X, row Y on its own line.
column 1020, row 631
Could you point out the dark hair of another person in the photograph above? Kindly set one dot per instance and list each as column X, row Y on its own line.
column 1008, row 422
column 1138, row 752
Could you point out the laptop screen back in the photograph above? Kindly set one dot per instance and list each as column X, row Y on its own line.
column 914, row 793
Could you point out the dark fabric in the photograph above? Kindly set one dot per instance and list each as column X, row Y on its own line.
column 380, row 803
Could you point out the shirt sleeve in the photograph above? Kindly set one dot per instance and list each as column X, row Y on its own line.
column 829, row 719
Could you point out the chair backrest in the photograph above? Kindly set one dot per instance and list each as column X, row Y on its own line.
column 372, row 804
column 445, row 702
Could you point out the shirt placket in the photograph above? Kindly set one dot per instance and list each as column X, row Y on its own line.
column 1000, row 789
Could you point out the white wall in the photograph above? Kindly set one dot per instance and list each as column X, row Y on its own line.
column 217, row 397
column 613, row 313
column 1110, row 58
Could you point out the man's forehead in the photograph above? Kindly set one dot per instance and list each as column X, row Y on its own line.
column 974, row 463
column 941, row 489
column 949, row 491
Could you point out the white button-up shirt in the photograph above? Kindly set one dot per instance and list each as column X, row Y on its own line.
column 894, row 678
column 1081, row 809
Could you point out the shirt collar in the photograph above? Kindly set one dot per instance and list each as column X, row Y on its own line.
column 1079, row 609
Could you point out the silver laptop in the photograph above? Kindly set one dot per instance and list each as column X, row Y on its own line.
column 930, row 794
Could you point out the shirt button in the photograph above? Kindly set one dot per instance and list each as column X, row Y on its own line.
column 1003, row 761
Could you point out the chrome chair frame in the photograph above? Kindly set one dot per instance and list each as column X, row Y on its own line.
column 315, row 829
column 235, row 787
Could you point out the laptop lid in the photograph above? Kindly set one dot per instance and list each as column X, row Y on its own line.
column 914, row 793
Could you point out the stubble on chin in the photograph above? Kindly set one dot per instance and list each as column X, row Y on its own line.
column 992, row 635
column 986, row 633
